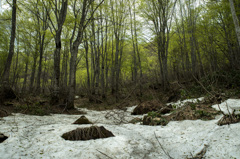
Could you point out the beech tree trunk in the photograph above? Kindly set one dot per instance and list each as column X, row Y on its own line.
column 41, row 36
column 74, row 50
column 60, row 11
column 8, row 63
column 235, row 20
column 33, row 70
column 6, row 91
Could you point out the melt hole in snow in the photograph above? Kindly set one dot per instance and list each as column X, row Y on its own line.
column 2, row 137
column 93, row 132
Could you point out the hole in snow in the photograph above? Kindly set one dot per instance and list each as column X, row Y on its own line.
column 2, row 137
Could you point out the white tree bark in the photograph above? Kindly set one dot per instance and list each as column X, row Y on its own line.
column 235, row 20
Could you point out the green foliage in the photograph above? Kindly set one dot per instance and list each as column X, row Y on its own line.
column 162, row 121
column 33, row 109
column 193, row 106
column 202, row 113
column 174, row 106
column 154, row 114
column 215, row 43
column 5, row 27
column 224, row 79
column 184, row 94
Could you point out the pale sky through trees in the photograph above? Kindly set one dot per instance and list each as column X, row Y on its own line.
column 0, row 6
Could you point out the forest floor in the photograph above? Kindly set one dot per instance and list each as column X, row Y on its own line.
column 34, row 106
column 33, row 136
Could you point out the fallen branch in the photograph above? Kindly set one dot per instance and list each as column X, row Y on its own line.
column 116, row 115
column 231, row 117
column 220, row 110
column 120, row 114
column 202, row 85
column 3, row 110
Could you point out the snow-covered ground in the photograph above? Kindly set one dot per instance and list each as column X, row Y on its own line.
column 40, row 137
column 180, row 103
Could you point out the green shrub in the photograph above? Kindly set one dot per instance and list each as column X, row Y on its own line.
column 153, row 114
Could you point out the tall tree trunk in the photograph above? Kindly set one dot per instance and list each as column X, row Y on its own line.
column 187, row 61
column 87, row 65
column 113, row 69
column 103, row 57
column 8, row 63
column 74, row 50
column 6, row 91
column 25, row 75
column 97, row 60
column 33, row 71
column 201, row 71
column 65, row 67
column 235, row 20
column 41, row 35
column 42, row 38
column 134, row 72
column 59, row 8
column 56, row 89
column 138, row 53
column 16, row 68
column 117, row 69
column 72, row 74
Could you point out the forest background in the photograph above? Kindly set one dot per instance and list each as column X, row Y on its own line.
column 113, row 51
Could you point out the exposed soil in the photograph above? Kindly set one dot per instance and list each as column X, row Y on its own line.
column 82, row 120
column 6, row 93
column 190, row 111
column 109, row 104
column 149, row 106
column 193, row 111
column 93, row 132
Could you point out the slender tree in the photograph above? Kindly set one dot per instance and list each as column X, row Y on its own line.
column 160, row 13
column 75, row 41
column 235, row 20
column 7, row 91
column 59, row 8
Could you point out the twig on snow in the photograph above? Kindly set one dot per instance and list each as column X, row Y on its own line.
column 231, row 117
column 200, row 154
column 220, row 110
column 104, row 154
column 166, row 153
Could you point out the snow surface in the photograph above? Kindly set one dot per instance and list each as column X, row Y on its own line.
column 40, row 137
column 229, row 106
column 180, row 103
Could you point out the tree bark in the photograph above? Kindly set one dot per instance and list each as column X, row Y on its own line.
column 8, row 63
column 32, row 79
column 6, row 91
column 235, row 20
column 60, row 10
column 42, row 32
column 25, row 72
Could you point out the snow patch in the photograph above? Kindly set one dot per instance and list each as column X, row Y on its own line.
column 40, row 137
column 229, row 106
column 180, row 103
